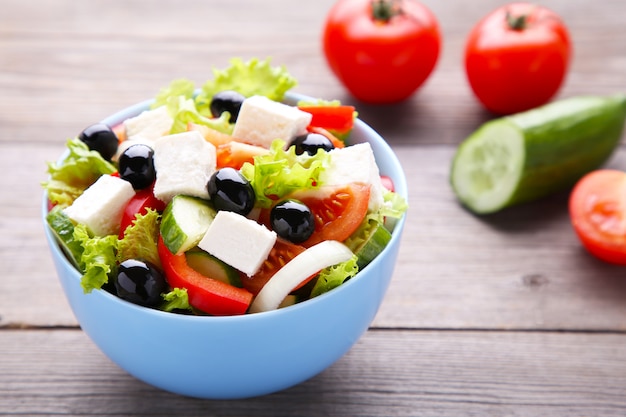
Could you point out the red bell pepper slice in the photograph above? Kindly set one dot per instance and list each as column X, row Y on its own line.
column 206, row 294
column 339, row 119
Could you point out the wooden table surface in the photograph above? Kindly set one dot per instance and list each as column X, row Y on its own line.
column 504, row 315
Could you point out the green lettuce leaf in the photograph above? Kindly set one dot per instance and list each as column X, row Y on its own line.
column 250, row 78
column 177, row 299
column 334, row 276
column 178, row 88
column 140, row 239
column 279, row 172
column 183, row 111
column 394, row 205
column 98, row 260
column 70, row 177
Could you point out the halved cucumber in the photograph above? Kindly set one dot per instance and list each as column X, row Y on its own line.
column 529, row 155
column 209, row 266
column 185, row 221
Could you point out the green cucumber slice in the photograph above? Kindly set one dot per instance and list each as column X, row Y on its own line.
column 368, row 242
column 185, row 222
column 209, row 266
column 63, row 229
column 523, row 157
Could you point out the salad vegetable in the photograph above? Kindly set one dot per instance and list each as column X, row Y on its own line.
column 529, row 155
column 381, row 50
column 517, row 57
column 222, row 200
column 597, row 206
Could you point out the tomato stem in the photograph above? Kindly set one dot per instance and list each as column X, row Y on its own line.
column 384, row 10
column 518, row 23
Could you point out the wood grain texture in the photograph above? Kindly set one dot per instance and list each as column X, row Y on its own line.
column 401, row 373
column 503, row 315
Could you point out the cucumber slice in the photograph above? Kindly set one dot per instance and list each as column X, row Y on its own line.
column 523, row 157
column 63, row 229
column 369, row 243
column 209, row 266
column 185, row 221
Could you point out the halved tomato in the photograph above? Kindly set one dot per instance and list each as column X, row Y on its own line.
column 282, row 252
column 597, row 209
column 338, row 211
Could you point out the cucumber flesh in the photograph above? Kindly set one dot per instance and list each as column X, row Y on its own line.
column 366, row 249
column 489, row 166
column 185, row 221
column 523, row 157
column 209, row 266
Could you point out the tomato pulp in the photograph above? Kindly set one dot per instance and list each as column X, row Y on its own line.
column 516, row 58
column 597, row 209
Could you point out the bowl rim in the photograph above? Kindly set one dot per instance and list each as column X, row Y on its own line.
column 400, row 185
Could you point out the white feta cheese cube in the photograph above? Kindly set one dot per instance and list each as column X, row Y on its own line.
column 150, row 124
column 100, row 207
column 238, row 241
column 184, row 162
column 355, row 163
column 262, row 120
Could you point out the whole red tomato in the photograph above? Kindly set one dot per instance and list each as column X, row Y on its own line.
column 516, row 58
column 381, row 50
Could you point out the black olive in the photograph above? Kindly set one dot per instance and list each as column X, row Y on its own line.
column 229, row 190
column 136, row 165
column 311, row 142
column 229, row 101
column 292, row 220
column 100, row 138
column 140, row 283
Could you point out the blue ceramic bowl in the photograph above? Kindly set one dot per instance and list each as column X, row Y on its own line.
column 239, row 356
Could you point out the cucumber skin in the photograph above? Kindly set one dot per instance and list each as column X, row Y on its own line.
column 563, row 141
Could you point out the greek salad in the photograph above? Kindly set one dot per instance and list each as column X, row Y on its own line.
column 222, row 200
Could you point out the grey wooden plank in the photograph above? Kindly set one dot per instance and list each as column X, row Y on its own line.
column 387, row 373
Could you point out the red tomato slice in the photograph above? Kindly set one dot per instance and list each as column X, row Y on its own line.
column 139, row 204
column 597, row 209
column 206, row 294
column 337, row 118
column 282, row 252
column 338, row 213
column 234, row 154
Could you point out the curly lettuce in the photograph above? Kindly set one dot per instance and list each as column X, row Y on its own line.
column 334, row 276
column 140, row 239
column 250, row 78
column 176, row 299
column 178, row 88
column 183, row 111
column 281, row 172
column 98, row 259
column 74, row 174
